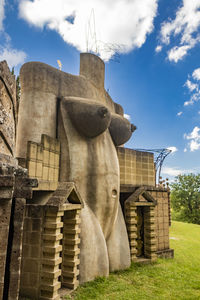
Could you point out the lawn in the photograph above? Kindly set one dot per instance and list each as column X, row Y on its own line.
column 173, row 279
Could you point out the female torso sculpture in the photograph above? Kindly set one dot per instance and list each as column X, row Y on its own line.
column 89, row 126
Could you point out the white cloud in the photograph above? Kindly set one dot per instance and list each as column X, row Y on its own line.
column 173, row 171
column 185, row 150
column 177, row 53
column 194, row 134
column 2, row 3
column 12, row 56
column 179, row 113
column 128, row 117
column 196, row 74
column 121, row 25
column 191, row 86
column 158, row 48
column 194, row 98
column 184, row 28
column 173, row 149
column 194, row 138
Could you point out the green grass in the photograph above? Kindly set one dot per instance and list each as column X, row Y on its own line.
column 173, row 279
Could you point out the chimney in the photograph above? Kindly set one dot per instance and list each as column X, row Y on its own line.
column 93, row 68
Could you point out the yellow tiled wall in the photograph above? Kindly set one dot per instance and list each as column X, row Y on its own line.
column 136, row 167
column 43, row 159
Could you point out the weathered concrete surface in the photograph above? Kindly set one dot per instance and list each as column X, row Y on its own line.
column 7, row 111
column 80, row 119
column 7, row 162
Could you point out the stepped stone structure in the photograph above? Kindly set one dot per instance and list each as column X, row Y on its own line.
column 74, row 202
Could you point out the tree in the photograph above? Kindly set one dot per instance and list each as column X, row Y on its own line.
column 185, row 198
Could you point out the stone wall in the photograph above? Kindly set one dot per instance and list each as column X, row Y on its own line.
column 136, row 167
column 6, row 193
column 15, row 188
column 139, row 211
column 163, row 221
column 8, row 113
column 155, row 216
column 50, row 258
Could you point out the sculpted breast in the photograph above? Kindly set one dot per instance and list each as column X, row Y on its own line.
column 90, row 118
column 120, row 129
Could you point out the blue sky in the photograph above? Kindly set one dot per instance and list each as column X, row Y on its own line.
column 157, row 78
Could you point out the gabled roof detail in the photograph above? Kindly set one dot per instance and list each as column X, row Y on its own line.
column 66, row 193
column 140, row 194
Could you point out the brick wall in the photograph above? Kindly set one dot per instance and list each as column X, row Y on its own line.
column 32, row 252
column 162, row 219
column 50, row 256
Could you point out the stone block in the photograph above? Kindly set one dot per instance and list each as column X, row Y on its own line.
column 32, row 151
column 35, row 211
column 131, row 228
column 45, row 140
column 133, row 242
column 39, row 169
column 31, row 265
column 52, row 250
column 25, row 279
column 55, row 274
column 74, row 221
column 70, row 285
column 51, row 288
column 133, row 250
column 45, row 172
column 71, row 231
column 53, row 225
column 48, row 255
column 30, row 292
column 50, row 268
column 36, row 224
column 39, row 153
column 71, row 252
column 56, row 174
column 48, row 281
column 51, row 174
column 34, row 238
column 34, row 279
column 56, row 160
column 53, row 185
column 35, row 251
column 6, row 193
column 72, row 262
column 50, row 213
column 53, row 238
column 51, row 159
column 31, row 166
column 132, row 235
column 51, row 231
column 52, row 262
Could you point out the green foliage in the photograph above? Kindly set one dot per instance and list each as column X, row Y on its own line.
column 173, row 279
column 185, row 198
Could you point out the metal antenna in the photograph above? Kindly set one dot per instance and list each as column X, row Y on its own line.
column 96, row 46
column 91, row 39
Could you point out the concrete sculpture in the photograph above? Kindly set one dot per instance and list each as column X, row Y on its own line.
column 74, row 203
column 79, row 112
